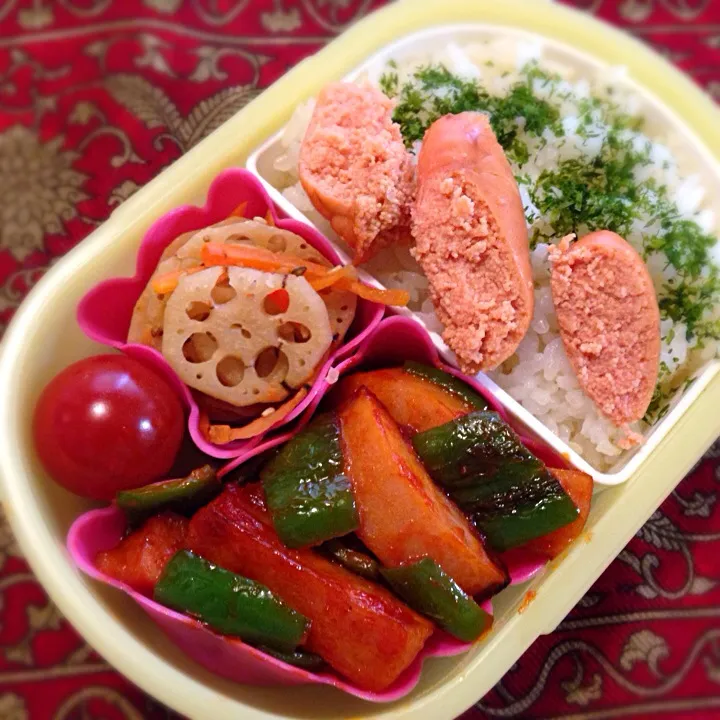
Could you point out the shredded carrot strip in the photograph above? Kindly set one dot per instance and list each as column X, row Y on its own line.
column 222, row 434
column 334, row 276
column 240, row 210
column 376, row 295
column 319, row 276
column 269, row 218
column 167, row 282
column 258, row 258
column 204, row 425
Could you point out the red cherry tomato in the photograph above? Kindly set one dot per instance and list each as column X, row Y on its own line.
column 107, row 423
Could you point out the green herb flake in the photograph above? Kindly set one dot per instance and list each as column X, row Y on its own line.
column 601, row 194
column 685, row 301
column 433, row 91
column 390, row 84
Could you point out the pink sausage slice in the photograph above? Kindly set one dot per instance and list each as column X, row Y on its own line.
column 609, row 322
column 471, row 241
column 356, row 169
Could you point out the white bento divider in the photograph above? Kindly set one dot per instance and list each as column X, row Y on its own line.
column 260, row 163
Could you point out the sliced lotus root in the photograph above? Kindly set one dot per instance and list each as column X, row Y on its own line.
column 143, row 330
column 341, row 307
column 184, row 252
column 146, row 325
column 252, row 232
column 245, row 336
column 176, row 244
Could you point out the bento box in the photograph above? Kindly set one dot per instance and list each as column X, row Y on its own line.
column 45, row 337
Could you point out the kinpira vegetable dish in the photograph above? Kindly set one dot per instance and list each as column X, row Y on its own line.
column 383, row 521
column 463, row 175
column 246, row 313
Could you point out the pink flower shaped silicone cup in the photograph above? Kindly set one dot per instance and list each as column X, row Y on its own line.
column 104, row 313
column 229, row 657
column 394, row 340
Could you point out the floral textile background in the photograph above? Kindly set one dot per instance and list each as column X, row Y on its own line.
column 96, row 97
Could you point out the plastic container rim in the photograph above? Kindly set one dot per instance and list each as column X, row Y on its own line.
column 561, row 588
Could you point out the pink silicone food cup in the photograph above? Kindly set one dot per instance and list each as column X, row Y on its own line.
column 392, row 341
column 105, row 312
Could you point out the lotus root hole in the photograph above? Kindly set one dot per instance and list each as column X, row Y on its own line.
column 199, row 347
column 294, row 332
column 198, row 310
column 272, row 364
column 243, row 331
column 223, row 292
column 230, row 371
column 343, row 308
column 277, row 243
column 276, row 302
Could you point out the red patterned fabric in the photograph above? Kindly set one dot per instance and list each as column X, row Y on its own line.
column 95, row 98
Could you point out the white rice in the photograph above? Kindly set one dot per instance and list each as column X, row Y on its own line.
column 539, row 376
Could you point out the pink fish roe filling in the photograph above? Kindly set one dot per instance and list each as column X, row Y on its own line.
column 474, row 284
column 354, row 159
column 610, row 328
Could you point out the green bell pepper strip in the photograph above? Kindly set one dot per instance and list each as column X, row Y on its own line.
column 353, row 560
column 508, row 493
column 474, row 444
column 521, row 502
column 308, row 494
column 427, row 588
column 298, row 658
column 447, row 382
column 229, row 603
column 182, row 495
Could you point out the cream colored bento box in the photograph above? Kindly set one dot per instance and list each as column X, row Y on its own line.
column 44, row 338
